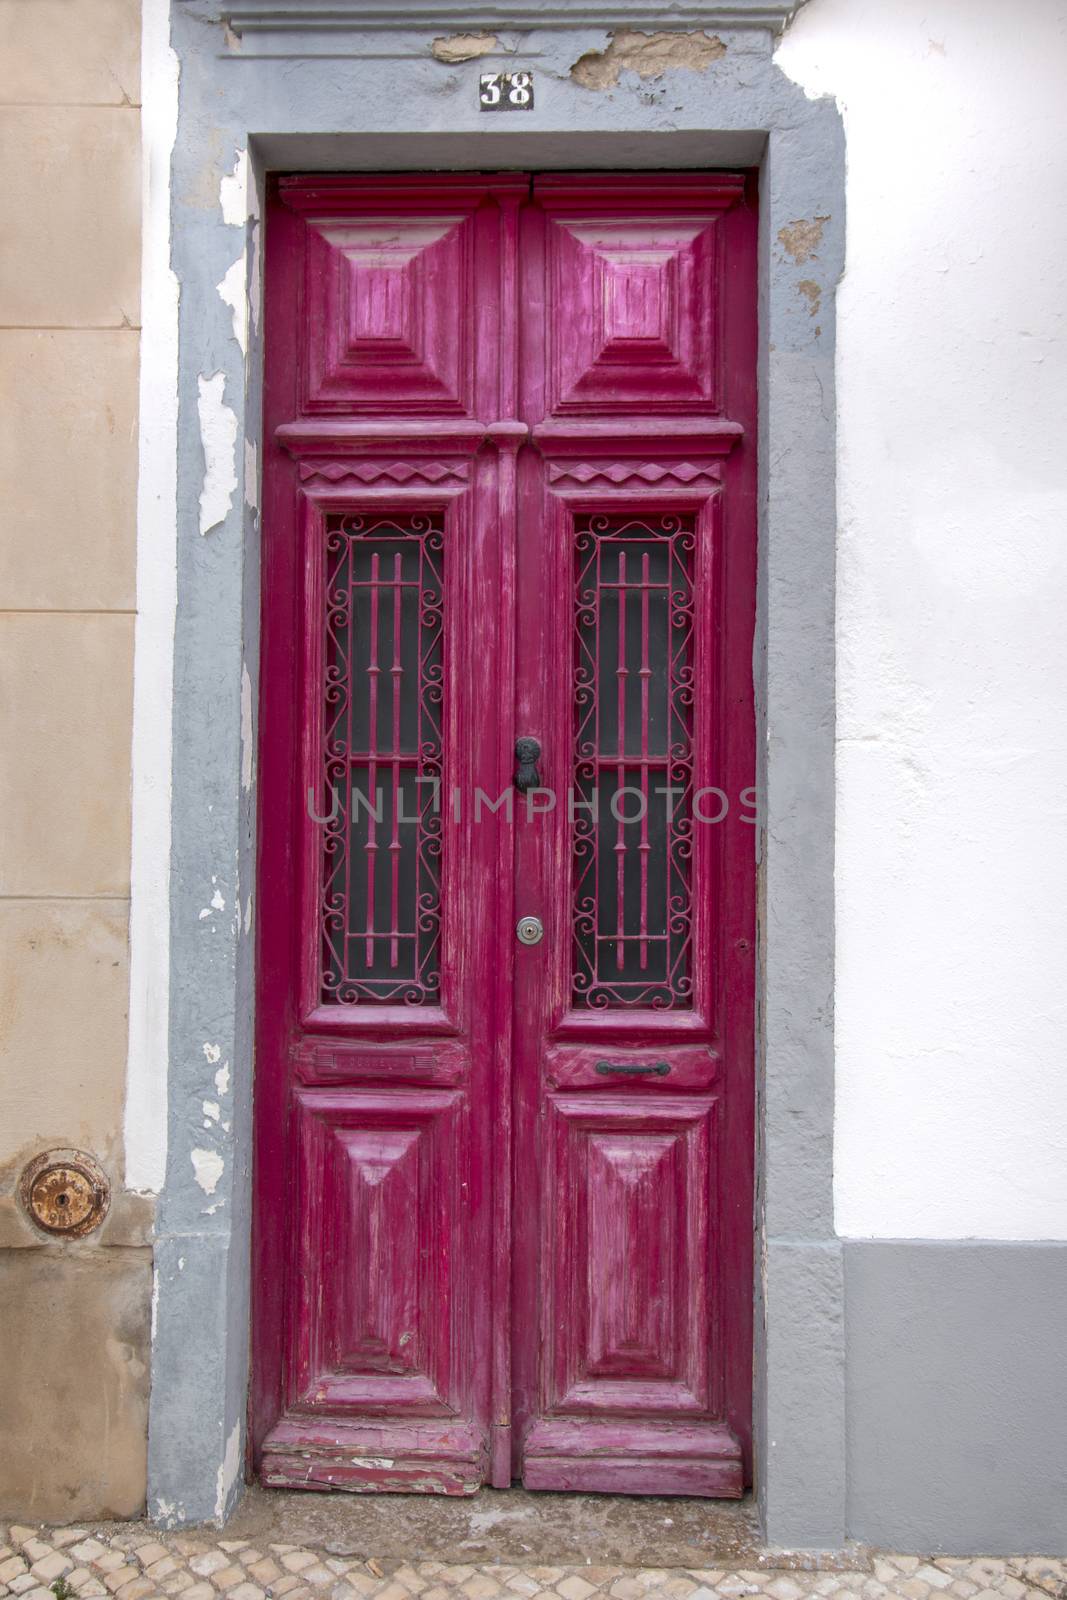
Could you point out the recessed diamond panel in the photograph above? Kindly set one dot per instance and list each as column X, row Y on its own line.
column 633, row 314
column 386, row 302
column 626, row 1317
column 373, row 1317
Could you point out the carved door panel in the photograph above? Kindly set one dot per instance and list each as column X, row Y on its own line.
column 503, row 1192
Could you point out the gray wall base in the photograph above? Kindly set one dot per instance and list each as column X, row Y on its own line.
column 957, row 1396
column 803, row 1479
column 196, row 1417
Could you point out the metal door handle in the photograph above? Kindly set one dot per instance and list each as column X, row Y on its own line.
column 655, row 1069
column 527, row 755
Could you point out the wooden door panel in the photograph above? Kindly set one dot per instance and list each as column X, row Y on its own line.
column 634, row 277
column 326, row 1062
column 608, row 1457
column 627, row 1314
column 391, row 284
column 383, row 664
column 367, row 1456
column 583, row 1065
column 379, row 1187
column 633, row 1077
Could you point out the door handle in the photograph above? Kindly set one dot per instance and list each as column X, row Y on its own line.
column 527, row 755
column 655, row 1069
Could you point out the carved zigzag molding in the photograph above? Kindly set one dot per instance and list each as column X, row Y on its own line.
column 623, row 471
column 372, row 471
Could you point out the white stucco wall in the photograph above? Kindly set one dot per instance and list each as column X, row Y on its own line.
column 157, row 541
column 951, row 999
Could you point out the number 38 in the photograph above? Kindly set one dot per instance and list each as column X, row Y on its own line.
column 506, row 88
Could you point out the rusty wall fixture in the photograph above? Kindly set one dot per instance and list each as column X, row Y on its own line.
column 65, row 1193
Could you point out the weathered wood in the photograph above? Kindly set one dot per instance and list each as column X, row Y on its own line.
column 477, row 1254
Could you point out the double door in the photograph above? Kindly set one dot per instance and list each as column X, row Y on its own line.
column 505, row 906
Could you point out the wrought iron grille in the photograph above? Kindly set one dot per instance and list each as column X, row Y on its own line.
column 382, row 757
column 632, row 836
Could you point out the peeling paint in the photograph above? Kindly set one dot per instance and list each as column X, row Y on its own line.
column 231, row 291
column 255, row 282
column 155, row 1301
column 650, row 55
column 812, row 293
column 213, row 1053
column 222, row 1078
column 218, row 903
column 248, row 916
column 208, row 1167
column 218, row 436
column 248, row 748
column 233, row 192
column 464, row 47
column 229, row 1469
column 251, row 475
column 801, row 239
column 167, row 1513
column 212, row 1110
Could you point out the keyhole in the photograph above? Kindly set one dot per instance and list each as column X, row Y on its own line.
column 61, row 1200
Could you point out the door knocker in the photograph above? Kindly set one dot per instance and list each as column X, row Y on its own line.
column 527, row 755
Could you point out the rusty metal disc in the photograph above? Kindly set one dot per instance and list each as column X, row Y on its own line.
column 65, row 1193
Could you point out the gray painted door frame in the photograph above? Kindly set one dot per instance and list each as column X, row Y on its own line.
column 286, row 93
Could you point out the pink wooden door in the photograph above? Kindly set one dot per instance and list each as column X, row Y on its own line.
column 503, row 1215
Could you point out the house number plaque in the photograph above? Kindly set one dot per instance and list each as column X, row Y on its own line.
column 506, row 91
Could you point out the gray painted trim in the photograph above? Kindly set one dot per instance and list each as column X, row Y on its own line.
column 802, row 1485
column 359, row 16
column 297, row 110
column 957, row 1395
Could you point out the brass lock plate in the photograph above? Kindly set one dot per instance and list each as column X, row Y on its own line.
column 65, row 1193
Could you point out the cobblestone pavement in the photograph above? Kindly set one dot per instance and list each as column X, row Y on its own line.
column 132, row 1562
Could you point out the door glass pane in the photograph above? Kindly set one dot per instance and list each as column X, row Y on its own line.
column 633, row 761
column 382, row 701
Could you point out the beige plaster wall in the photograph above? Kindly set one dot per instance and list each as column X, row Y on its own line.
column 73, row 1334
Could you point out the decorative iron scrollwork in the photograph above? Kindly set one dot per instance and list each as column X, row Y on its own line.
column 634, row 711
column 383, row 759
column 527, row 755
